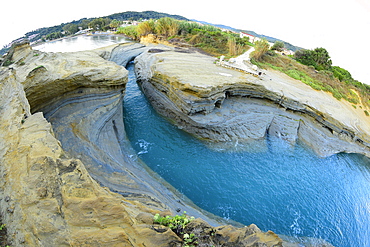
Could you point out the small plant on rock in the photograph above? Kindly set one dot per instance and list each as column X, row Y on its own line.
column 177, row 224
column 189, row 240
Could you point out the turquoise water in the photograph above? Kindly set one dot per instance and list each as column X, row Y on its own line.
column 289, row 191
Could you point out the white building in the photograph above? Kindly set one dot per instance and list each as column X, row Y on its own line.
column 251, row 37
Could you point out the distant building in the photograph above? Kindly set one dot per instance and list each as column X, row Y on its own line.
column 251, row 37
column 129, row 23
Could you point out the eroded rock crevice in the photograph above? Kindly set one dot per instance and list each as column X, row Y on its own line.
column 60, row 174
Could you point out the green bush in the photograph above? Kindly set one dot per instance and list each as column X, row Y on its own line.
column 130, row 31
column 260, row 49
column 7, row 63
column 176, row 223
column 278, row 46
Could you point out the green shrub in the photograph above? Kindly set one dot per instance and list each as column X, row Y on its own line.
column 130, row 31
column 294, row 74
column 176, row 223
column 260, row 49
column 278, row 46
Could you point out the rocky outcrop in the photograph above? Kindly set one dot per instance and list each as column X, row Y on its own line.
column 223, row 105
column 72, row 180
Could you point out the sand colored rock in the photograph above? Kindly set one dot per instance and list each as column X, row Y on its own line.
column 63, row 192
column 224, row 105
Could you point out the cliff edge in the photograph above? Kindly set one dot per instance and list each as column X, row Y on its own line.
column 223, row 105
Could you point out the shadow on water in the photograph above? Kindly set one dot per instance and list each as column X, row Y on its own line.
column 288, row 190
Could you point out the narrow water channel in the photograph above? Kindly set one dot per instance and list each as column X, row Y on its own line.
column 289, row 191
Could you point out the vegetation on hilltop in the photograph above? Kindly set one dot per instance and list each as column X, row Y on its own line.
column 135, row 16
column 206, row 37
column 314, row 68
column 267, row 38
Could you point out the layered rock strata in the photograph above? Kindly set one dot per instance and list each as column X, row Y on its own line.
column 58, row 188
column 223, row 105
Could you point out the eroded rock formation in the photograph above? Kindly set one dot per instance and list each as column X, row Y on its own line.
column 223, row 105
column 72, row 180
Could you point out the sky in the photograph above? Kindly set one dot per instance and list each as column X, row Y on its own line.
column 340, row 26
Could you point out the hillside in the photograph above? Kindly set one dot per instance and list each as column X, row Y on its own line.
column 268, row 38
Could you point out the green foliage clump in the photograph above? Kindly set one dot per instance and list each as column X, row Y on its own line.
column 319, row 58
column 177, row 224
column 167, row 27
column 130, row 31
column 260, row 49
column 278, row 46
column 206, row 37
column 101, row 24
column 54, row 35
column 7, row 63
column 341, row 74
column 70, row 28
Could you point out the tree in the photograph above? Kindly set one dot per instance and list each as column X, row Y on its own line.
column 70, row 28
column 84, row 24
column 278, row 46
column 260, row 49
column 115, row 24
column 99, row 23
column 322, row 58
column 319, row 58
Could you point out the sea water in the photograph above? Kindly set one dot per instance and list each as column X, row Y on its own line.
column 80, row 43
column 288, row 190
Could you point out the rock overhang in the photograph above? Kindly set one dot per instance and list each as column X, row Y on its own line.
column 190, row 84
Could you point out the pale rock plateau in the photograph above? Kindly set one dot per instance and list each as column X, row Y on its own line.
column 223, row 106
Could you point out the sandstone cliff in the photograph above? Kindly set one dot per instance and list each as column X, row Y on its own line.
column 223, row 105
column 71, row 180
